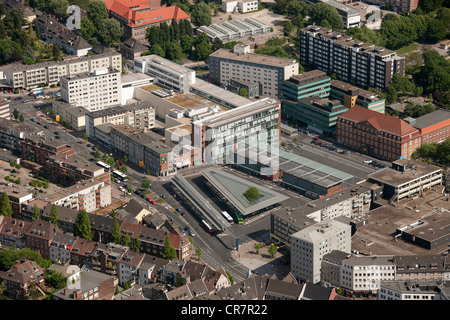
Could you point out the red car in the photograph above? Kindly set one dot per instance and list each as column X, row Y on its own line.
column 316, row 138
column 152, row 201
column 121, row 162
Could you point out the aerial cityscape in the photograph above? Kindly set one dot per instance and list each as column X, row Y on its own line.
column 224, row 151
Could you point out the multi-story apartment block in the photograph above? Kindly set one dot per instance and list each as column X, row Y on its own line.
column 377, row 134
column 365, row 274
column 12, row 133
column 139, row 115
column 5, row 113
column 351, row 203
column 424, row 290
column 431, row 267
column 39, row 237
column 12, row 232
column 88, row 195
column 61, row 246
column 241, row 65
column 349, row 59
column 47, row 73
column 136, row 16
column 165, row 72
column 308, row 247
column 406, row 178
column 98, row 90
column 39, row 149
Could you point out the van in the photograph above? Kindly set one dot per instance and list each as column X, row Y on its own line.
column 367, row 161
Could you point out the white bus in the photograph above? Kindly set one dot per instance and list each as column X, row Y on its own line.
column 103, row 165
column 227, row 216
column 119, row 175
column 36, row 91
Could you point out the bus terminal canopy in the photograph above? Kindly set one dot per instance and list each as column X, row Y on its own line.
column 233, row 189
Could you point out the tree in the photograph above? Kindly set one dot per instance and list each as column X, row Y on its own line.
column 82, row 226
column 16, row 114
column 5, row 206
column 252, row 194
column 54, row 215
column 145, row 183
column 445, row 101
column 21, row 118
column 156, row 49
column 243, row 92
column 257, row 247
column 137, row 245
column 55, row 279
column 169, row 252
column 202, row 47
column 87, row 28
column 126, row 240
column 110, row 31
column 59, row 8
column 288, row 28
column 116, row 235
column 322, row 11
column 97, row 12
column 198, row 251
column 201, row 15
column 36, row 213
column 173, row 52
column 272, row 250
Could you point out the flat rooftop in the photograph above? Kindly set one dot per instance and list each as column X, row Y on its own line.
column 233, row 189
column 432, row 118
column 308, row 77
column 376, row 237
column 253, row 58
column 397, row 178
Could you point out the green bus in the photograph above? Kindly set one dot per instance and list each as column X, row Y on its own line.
column 239, row 218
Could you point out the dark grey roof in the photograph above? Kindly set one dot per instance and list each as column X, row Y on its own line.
column 283, row 290
column 316, row 292
column 134, row 45
column 432, row 118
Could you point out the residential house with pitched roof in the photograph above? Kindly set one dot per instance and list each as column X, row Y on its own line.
column 39, row 237
column 61, row 246
column 128, row 267
column 19, row 278
column 81, row 253
column 12, row 232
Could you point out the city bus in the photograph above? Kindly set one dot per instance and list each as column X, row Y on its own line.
column 227, row 216
column 120, row 176
column 207, row 226
column 103, row 165
column 36, row 91
column 239, row 218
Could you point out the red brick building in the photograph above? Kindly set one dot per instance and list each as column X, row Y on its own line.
column 377, row 134
column 434, row 127
column 19, row 278
column 40, row 150
column 39, row 237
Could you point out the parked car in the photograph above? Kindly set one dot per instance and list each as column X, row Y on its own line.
column 33, row 119
column 18, row 98
column 46, row 126
column 25, row 101
column 39, row 122
column 178, row 209
column 367, row 161
column 152, row 201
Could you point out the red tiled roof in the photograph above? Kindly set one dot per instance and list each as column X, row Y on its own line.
column 135, row 10
column 380, row 121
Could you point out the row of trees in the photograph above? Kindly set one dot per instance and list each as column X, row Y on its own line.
column 397, row 31
column 98, row 27
column 438, row 153
column 177, row 41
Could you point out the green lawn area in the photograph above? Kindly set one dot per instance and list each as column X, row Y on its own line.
column 407, row 49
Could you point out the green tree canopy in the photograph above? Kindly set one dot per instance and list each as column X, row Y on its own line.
column 5, row 206
column 110, row 31
column 82, row 226
column 97, row 12
column 322, row 11
column 36, row 213
column 169, row 252
column 201, row 15
column 252, row 194
column 54, row 215
column 116, row 234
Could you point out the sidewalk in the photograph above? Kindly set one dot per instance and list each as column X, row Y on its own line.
column 261, row 263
